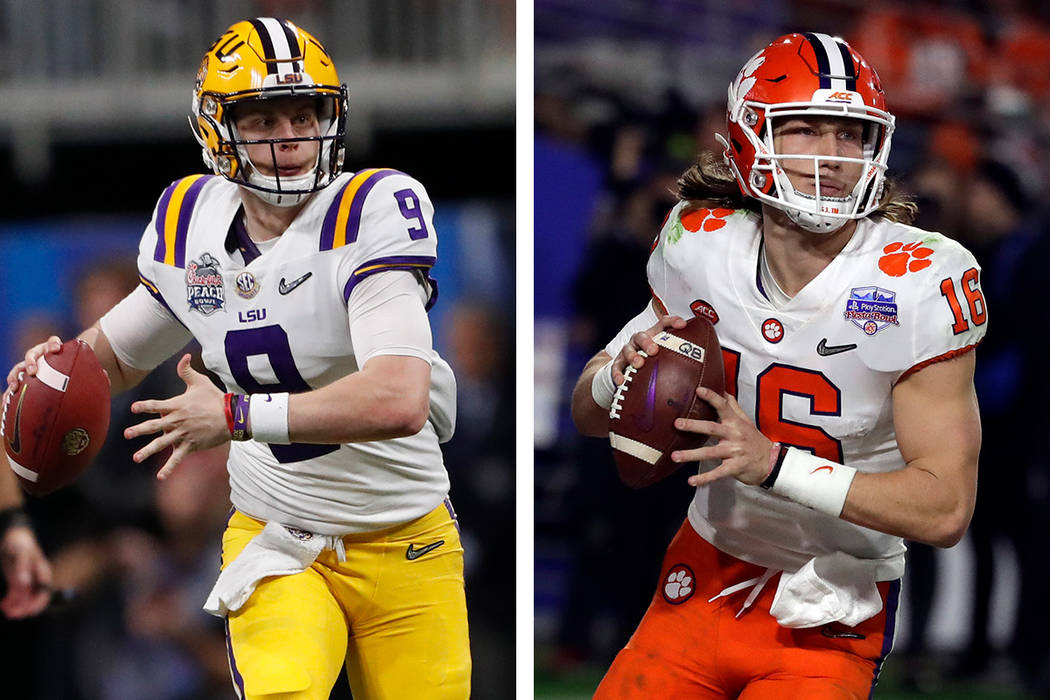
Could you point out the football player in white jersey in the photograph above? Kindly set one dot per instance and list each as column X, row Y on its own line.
column 850, row 420
column 307, row 289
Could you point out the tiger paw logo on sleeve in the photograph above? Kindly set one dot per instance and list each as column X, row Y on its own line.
column 696, row 220
column 900, row 258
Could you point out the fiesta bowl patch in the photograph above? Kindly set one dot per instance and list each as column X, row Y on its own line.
column 871, row 309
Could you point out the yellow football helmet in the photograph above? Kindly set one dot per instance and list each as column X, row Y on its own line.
column 262, row 59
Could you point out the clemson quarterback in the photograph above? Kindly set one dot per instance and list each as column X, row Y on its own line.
column 307, row 289
column 850, row 419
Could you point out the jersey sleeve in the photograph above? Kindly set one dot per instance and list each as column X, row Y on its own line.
column 164, row 240
column 690, row 236
column 949, row 316
column 660, row 269
column 381, row 220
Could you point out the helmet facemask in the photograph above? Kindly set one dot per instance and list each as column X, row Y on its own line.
column 291, row 190
column 236, row 164
column 816, row 212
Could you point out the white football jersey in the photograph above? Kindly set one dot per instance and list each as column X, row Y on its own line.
column 279, row 323
column 817, row 372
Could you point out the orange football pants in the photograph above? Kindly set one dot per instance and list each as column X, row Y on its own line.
column 687, row 647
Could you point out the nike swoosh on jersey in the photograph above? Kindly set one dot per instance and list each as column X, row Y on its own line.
column 284, row 288
column 824, row 349
column 412, row 553
column 834, row 634
column 16, row 439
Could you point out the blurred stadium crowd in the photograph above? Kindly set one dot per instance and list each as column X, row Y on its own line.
column 136, row 557
column 626, row 94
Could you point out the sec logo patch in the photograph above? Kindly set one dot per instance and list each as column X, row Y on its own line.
column 679, row 584
column 772, row 330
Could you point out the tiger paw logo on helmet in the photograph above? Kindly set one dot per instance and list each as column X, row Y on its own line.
column 900, row 258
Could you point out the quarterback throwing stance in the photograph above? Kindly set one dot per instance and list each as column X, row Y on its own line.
column 850, row 419
column 307, row 289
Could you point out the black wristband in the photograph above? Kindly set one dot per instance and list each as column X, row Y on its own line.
column 772, row 478
column 11, row 517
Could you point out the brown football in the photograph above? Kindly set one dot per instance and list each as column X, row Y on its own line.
column 55, row 422
column 641, row 420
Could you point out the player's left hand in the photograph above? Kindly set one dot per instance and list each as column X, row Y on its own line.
column 27, row 572
column 744, row 451
column 194, row 420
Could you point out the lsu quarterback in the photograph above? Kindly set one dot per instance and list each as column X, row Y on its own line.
column 307, row 288
column 850, row 420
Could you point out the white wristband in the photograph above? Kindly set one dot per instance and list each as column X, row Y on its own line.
column 812, row 481
column 268, row 414
column 602, row 386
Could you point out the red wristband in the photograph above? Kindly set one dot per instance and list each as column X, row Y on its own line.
column 227, row 407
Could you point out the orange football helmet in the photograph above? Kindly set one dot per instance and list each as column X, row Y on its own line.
column 805, row 75
column 262, row 59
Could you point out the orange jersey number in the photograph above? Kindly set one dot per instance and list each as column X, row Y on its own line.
column 971, row 289
column 779, row 380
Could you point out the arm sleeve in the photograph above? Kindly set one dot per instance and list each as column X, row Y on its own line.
column 142, row 332
column 388, row 317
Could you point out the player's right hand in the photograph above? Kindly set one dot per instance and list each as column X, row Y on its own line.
column 29, row 364
column 641, row 341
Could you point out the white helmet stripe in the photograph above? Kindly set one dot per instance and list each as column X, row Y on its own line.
column 836, row 66
column 275, row 36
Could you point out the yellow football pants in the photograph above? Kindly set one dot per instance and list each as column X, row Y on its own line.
column 394, row 613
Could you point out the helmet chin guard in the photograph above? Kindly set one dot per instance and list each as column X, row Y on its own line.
column 805, row 76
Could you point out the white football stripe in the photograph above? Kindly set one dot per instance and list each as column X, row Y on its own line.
column 674, row 343
column 635, row 448
column 27, row 474
column 51, row 376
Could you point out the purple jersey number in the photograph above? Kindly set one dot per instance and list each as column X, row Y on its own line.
column 271, row 341
column 408, row 202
